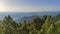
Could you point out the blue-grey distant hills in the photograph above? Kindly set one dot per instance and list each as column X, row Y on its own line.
column 21, row 16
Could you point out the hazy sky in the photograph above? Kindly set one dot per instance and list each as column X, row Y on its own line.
column 29, row 5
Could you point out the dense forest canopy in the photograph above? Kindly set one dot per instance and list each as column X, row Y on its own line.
column 44, row 25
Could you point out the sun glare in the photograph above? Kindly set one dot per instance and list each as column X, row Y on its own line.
column 2, row 7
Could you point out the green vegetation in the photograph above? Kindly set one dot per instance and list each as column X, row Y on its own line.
column 44, row 25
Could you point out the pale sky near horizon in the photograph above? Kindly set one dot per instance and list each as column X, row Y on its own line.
column 29, row 5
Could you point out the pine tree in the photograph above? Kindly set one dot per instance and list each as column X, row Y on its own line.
column 9, row 25
column 47, row 24
column 37, row 22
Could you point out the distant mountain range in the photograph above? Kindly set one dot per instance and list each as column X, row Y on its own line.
column 21, row 16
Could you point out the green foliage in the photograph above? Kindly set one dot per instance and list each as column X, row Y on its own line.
column 37, row 22
column 2, row 28
column 44, row 25
column 47, row 24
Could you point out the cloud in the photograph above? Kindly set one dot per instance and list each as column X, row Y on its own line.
column 13, row 9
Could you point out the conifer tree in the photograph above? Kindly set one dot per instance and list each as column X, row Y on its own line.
column 37, row 22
